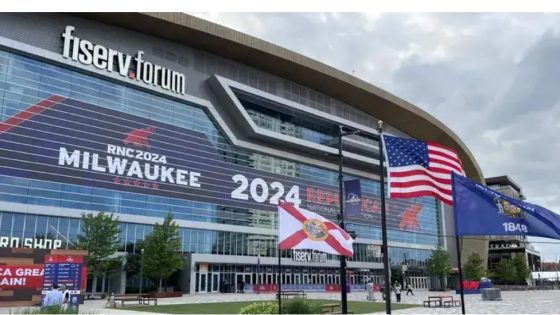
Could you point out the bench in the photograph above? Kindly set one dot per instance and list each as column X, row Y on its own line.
column 450, row 302
column 441, row 301
column 297, row 294
column 436, row 300
column 333, row 308
column 142, row 299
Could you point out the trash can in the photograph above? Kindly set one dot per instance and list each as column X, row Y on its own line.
column 491, row 294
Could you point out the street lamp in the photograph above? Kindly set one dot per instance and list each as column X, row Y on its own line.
column 141, row 269
column 343, row 291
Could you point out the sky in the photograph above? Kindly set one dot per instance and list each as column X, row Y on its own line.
column 493, row 78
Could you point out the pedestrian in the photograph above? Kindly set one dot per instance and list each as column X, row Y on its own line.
column 369, row 290
column 397, row 290
column 242, row 286
column 53, row 299
column 65, row 297
column 409, row 289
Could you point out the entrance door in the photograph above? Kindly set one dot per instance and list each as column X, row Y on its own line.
column 202, row 282
column 248, row 278
column 245, row 277
column 313, row 279
column 269, row 278
column 322, row 279
column 306, row 279
column 288, row 279
column 215, row 282
column 297, row 279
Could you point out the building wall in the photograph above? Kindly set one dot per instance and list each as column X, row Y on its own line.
column 33, row 204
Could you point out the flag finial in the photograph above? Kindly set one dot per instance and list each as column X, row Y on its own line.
column 380, row 123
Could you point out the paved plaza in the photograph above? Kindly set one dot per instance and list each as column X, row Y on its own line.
column 513, row 302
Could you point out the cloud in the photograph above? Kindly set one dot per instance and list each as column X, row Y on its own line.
column 492, row 78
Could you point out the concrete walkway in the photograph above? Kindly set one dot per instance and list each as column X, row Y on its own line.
column 513, row 302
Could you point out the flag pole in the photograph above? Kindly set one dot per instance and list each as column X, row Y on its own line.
column 460, row 274
column 279, row 282
column 457, row 244
column 385, row 250
column 343, row 293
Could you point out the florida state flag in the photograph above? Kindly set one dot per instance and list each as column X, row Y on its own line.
column 302, row 229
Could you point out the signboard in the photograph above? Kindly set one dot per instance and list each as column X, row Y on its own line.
column 307, row 256
column 133, row 67
column 67, row 270
column 24, row 276
column 69, row 141
column 504, row 244
column 44, row 243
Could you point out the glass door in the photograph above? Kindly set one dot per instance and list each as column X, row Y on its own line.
column 215, row 282
column 202, row 283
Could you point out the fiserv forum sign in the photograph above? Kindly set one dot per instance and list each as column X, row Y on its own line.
column 68, row 141
column 88, row 53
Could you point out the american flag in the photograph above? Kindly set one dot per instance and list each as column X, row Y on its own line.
column 418, row 168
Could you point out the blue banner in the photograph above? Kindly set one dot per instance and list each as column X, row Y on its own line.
column 69, row 141
column 480, row 210
column 353, row 198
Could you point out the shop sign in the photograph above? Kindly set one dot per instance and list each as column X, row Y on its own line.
column 499, row 245
column 14, row 242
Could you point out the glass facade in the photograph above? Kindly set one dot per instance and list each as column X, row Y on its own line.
column 25, row 81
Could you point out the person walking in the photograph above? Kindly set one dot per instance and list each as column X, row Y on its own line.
column 65, row 297
column 369, row 290
column 398, row 291
column 53, row 299
column 242, row 287
column 409, row 289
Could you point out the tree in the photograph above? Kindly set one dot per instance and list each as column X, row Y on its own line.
column 100, row 237
column 505, row 271
column 133, row 260
column 473, row 269
column 522, row 271
column 162, row 251
column 439, row 265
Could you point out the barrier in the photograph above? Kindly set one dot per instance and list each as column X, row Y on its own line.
column 272, row 288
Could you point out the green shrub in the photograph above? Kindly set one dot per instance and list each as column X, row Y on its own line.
column 260, row 308
column 300, row 306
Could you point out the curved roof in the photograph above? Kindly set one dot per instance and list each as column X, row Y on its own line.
column 219, row 40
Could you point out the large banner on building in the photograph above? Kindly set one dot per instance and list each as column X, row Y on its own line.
column 69, row 141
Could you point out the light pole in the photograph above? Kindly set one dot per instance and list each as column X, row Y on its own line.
column 343, row 291
column 141, row 269
column 258, row 274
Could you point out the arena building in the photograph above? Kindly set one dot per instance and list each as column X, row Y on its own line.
column 146, row 114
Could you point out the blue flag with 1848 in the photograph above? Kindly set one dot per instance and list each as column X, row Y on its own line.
column 480, row 210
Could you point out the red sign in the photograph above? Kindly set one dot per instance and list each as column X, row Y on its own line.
column 469, row 285
column 264, row 288
column 26, row 276
column 332, row 288
column 75, row 259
